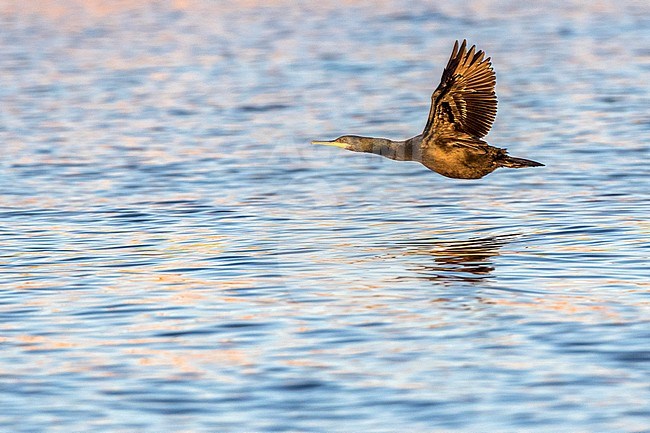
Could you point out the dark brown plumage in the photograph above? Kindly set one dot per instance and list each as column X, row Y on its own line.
column 463, row 108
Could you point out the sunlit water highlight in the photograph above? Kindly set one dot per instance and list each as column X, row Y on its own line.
column 177, row 257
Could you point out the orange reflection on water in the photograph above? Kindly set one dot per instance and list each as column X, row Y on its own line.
column 574, row 308
column 193, row 361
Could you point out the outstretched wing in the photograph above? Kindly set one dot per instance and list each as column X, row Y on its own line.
column 465, row 100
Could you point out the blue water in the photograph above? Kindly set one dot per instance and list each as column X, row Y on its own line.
column 176, row 257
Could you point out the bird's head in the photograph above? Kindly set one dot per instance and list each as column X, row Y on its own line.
column 349, row 142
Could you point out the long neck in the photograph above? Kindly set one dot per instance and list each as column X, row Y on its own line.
column 397, row 150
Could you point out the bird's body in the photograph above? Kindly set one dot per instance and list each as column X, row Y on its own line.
column 463, row 108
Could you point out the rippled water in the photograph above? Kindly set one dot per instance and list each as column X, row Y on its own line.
column 177, row 257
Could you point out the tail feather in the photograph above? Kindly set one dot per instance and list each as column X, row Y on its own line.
column 512, row 162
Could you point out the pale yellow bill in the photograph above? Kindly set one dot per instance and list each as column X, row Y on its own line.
column 330, row 143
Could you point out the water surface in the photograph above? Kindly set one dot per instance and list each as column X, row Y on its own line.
column 177, row 257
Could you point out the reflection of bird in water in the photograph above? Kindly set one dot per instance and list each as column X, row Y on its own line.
column 467, row 260
column 463, row 108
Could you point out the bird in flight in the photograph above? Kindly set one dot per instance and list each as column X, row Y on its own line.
column 463, row 108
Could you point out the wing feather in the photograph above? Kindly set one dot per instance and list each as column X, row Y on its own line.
column 465, row 100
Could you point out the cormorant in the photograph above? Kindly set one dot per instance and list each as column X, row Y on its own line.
column 463, row 108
